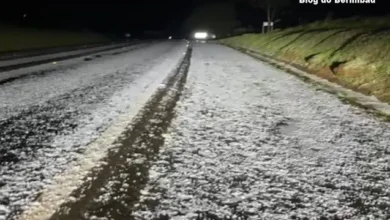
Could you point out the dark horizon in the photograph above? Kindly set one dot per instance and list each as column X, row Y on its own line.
column 193, row 109
column 118, row 17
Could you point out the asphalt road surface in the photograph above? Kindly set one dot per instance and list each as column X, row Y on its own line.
column 171, row 130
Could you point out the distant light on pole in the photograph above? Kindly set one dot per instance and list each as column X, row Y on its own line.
column 24, row 15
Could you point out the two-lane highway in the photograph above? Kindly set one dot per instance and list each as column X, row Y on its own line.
column 169, row 131
column 51, row 112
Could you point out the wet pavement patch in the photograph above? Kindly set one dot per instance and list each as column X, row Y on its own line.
column 112, row 189
column 33, row 74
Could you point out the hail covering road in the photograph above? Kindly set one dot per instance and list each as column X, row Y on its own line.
column 247, row 141
column 52, row 112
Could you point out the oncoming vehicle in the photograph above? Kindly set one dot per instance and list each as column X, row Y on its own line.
column 203, row 36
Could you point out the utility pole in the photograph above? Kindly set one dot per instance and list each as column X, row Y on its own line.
column 269, row 16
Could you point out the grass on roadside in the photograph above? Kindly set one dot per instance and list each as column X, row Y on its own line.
column 353, row 52
column 15, row 38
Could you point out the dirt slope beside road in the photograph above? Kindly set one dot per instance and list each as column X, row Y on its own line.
column 252, row 142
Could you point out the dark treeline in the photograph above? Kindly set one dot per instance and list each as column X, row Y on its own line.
column 117, row 16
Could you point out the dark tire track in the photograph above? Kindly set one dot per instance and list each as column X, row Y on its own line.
column 35, row 128
column 28, row 132
column 115, row 187
column 40, row 123
column 33, row 63
column 59, row 69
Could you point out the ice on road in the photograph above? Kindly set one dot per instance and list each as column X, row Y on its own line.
column 254, row 142
column 48, row 117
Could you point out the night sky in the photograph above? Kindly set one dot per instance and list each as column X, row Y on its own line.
column 136, row 16
column 109, row 16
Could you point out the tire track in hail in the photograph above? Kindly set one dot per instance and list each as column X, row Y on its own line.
column 112, row 189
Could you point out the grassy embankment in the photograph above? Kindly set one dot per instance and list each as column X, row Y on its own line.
column 352, row 52
column 16, row 39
